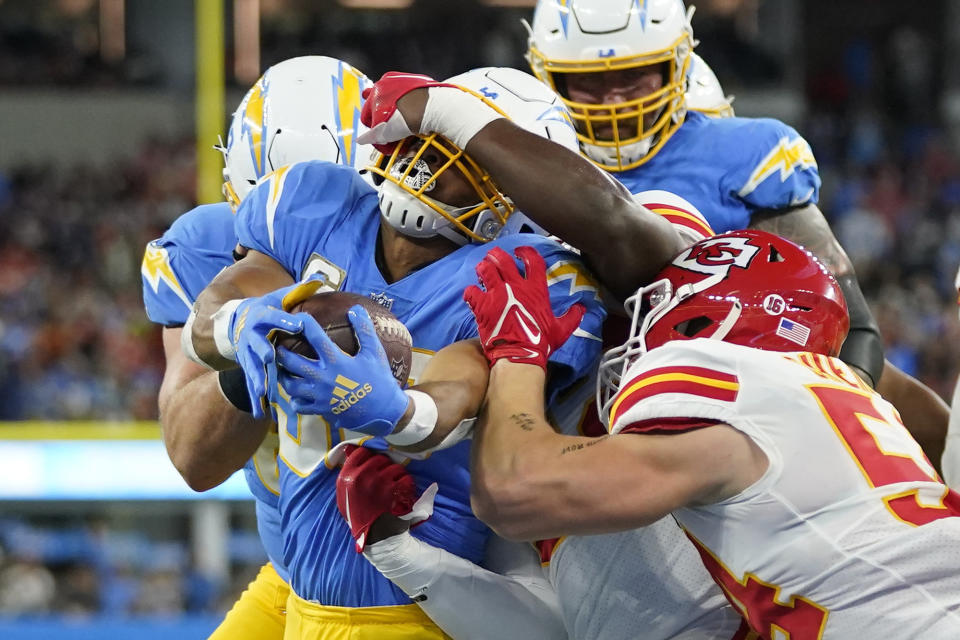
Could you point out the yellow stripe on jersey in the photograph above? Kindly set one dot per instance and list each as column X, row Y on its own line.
column 265, row 461
column 156, row 269
column 669, row 377
column 784, row 157
column 686, row 377
column 276, row 179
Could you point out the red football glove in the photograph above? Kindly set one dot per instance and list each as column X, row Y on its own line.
column 370, row 484
column 514, row 315
column 380, row 114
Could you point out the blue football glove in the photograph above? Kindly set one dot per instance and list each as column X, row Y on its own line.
column 358, row 392
column 252, row 327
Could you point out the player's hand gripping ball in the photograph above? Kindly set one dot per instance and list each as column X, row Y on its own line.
column 348, row 364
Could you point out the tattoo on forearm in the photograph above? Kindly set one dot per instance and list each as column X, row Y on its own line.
column 523, row 420
column 570, row 448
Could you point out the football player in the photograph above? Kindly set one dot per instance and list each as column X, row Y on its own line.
column 729, row 410
column 411, row 244
column 670, row 594
column 622, row 68
column 301, row 109
column 704, row 93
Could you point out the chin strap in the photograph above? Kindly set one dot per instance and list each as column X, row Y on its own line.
column 732, row 316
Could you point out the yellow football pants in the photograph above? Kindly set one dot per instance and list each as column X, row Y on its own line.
column 260, row 613
column 312, row 621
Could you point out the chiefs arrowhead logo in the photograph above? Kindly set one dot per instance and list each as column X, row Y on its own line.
column 717, row 255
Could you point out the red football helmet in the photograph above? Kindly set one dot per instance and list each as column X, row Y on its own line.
column 748, row 287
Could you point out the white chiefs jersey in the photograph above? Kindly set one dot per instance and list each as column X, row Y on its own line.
column 646, row 583
column 849, row 533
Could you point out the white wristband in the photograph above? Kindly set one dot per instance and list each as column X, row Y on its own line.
column 421, row 424
column 186, row 340
column 455, row 114
column 221, row 329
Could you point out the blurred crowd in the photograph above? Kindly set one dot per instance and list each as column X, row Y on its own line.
column 80, row 569
column 74, row 340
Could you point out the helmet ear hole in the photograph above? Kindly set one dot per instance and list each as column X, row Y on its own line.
column 691, row 327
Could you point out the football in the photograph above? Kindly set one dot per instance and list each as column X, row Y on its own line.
column 330, row 308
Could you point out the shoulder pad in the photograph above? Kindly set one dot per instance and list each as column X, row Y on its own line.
column 774, row 167
column 691, row 373
column 177, row 266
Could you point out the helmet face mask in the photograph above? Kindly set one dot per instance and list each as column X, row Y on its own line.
column 409, row 179
column 414, row 177
column 603, row 36
column 749, row 287
column 301, row 109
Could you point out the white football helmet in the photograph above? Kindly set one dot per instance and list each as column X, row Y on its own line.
column 704, row 93
column 407, row 179
column 594, row 36
column 301, row 109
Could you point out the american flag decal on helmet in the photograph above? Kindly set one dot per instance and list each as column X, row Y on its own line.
column 793, row 331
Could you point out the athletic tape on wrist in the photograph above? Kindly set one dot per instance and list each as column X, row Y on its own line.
column 421, row 424
column 186, row 340
column 407, row 562
column 455, row 114
column 221, row 329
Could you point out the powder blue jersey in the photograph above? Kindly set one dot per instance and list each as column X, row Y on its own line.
column 322, row 218
column 729, row 168
column 176, row 267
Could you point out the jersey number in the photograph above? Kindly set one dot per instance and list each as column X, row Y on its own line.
column 886, row 454
column 306, row 439
column 759, row 603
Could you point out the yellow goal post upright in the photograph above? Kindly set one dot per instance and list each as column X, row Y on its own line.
column 209, row 107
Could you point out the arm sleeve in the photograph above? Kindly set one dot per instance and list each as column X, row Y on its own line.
column 463, row 598
column 863, row 347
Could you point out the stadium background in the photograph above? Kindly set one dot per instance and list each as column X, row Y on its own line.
column 105, row 139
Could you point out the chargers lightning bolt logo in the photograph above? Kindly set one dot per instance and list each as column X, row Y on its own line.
column 564, row 15
column 347, row 90
column 577, row 277
column 156, row 269
column 255, row 123
column 785, row 157
column 640, row 6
